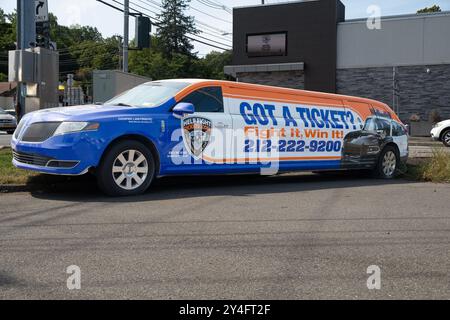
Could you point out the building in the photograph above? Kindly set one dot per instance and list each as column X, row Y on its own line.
column 309, row 45
column 109, row 83
column 7, row 95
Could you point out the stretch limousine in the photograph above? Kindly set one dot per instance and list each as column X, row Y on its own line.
column 191, row 126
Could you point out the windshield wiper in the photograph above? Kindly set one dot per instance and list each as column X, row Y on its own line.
column 124, row 105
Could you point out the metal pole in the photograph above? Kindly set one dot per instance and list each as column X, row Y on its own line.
column 120, row 53
column 126, row 15
column 26, row 34
column 394, row 89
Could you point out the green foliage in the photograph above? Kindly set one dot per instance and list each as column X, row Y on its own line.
column 434, row 8
column 82, row 49
column 211, row 66
column 435, row 169
column 173, row 27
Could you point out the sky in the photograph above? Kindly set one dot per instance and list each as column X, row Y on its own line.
column 215, row 22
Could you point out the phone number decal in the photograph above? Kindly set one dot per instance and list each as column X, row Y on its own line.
column 259, row 145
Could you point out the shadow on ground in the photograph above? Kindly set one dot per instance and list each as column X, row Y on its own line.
column 84, row 188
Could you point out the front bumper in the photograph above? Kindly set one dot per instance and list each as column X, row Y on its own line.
column 435, row 134
column 7, row 126
column 77, row 151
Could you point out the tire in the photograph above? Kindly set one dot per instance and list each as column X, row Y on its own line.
column 388, row 163
column 127, row 169
column 9, row 131
column 446, row 138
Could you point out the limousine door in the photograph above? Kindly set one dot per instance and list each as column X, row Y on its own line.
column 207, row 132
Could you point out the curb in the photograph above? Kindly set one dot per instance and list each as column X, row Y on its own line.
column 9, row 188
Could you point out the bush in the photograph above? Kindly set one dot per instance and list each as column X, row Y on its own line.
column 437, row 169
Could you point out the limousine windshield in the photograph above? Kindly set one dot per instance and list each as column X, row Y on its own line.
column 151, row 94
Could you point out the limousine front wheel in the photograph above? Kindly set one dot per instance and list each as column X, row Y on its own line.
column 127, row 169
column 388, row 163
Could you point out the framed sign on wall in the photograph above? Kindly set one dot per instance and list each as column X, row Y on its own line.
column 267, row 44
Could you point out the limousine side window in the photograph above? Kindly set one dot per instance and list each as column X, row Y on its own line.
column 371, row 125
column 209, row 99
column 385, row 125
column 397, row 130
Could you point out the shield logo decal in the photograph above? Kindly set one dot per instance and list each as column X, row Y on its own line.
column 197, row 133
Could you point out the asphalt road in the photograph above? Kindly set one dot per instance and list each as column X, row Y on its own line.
column 237, row 237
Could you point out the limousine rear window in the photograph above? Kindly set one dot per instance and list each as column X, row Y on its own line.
column 149, row 95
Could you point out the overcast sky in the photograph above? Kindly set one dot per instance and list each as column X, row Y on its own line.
column 213, row 21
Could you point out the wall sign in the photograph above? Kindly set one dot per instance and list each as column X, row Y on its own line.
column 270, row 44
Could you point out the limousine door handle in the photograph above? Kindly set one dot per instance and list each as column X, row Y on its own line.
column 221, row 125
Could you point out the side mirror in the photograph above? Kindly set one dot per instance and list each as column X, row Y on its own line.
column 183, row 108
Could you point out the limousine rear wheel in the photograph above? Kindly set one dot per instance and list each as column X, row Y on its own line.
column 388, row 163
column 127, row 169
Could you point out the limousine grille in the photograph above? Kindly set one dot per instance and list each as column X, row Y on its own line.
column 32, row 159
column 40, row 131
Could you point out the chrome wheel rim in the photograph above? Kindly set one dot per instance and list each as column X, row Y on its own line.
column 389, row 163
column 130, row 169
column 447, row 138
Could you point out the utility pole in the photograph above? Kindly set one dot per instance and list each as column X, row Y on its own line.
column 69, row 89
column 126, row 15
column 262, row 1
column 120, row 53
column 26, row 35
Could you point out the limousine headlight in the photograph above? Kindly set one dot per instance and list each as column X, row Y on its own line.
column 72, row 127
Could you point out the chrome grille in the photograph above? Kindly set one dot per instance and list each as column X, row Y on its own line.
column 39, row 131
column 29, row 158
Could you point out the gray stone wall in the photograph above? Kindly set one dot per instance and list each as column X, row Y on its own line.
column 419, row 92
column 287, row 79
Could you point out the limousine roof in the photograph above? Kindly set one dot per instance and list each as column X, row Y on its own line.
column 268, row 92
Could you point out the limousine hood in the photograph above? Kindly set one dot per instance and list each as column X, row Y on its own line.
column 87, row 113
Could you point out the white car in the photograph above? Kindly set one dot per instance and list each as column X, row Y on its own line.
column 8, row 122
column 441, row 132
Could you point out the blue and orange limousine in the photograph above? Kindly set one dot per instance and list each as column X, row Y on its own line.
column 192, row 126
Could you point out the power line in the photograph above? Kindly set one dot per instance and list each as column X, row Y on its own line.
column 156, row 5
column 216, row 5
column 215, row 41
column 189, row 36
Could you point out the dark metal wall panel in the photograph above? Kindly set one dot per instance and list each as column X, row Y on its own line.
column 311, row 28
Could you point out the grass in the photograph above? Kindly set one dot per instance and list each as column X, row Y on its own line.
column 10, row 174
column 435, row 169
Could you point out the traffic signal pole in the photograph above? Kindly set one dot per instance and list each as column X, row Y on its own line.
column 26, row 37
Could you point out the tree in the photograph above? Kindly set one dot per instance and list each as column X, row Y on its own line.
column 211, row 66
column 434, row 8
column 173, row 27
column 7, row 41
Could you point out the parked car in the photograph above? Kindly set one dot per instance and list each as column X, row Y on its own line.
column 11, row 112
column 381, row 140
column 191, row 127
column 441, row 132
column 8, row 122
